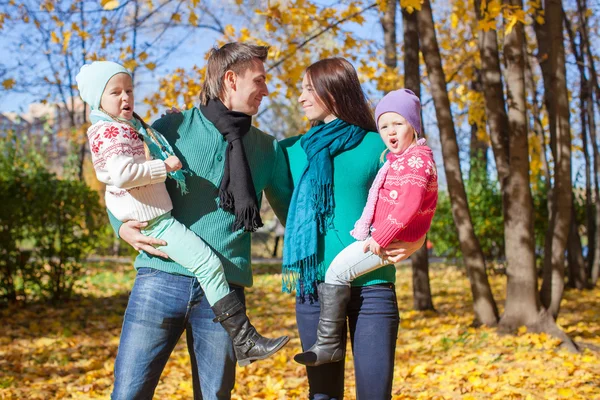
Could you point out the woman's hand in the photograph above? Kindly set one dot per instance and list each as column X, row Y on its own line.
column 130, row 232
column 398, row 251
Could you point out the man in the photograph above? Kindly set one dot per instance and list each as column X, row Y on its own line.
column 231, row 161
column 166, row 299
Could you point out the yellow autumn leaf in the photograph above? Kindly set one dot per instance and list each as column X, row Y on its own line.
column 512, row 21
column 143, row 56
column 565, row 392
column 109, row 4
column 47, row 5
column 411, row 5
column 54, row 38
column 176, row 17
column 8, row 84
column 454, row 20
column 151, row 66
column 130, row 64
column 193, row 19
column 66, row 41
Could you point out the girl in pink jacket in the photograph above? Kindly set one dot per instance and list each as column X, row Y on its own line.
column 400, row 206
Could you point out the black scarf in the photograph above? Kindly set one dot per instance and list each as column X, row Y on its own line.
column 237, row 193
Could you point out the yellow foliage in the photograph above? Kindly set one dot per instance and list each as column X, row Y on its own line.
column 193, row 19
column 411, row 5
column 438, row 356
column 130, row 64
column 54, row 38
column 47, row 5
column 8, row 84
column 109, row 4
column 66, row 40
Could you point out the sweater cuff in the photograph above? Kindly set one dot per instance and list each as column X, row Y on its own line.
column 385, row 234
column 158, row 171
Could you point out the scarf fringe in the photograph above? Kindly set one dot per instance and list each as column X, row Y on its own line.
column 247, row 218
column 305, row 273
column 182, row 186
column 323, row 203
column 226, row 200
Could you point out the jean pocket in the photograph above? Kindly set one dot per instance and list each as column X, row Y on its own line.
column 145, row 272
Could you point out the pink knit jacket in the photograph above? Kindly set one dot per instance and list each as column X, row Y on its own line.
column 402, row 199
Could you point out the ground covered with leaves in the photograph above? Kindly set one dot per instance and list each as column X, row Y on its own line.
column 68, row 350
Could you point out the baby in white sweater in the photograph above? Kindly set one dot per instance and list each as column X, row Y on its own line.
column 134, row 161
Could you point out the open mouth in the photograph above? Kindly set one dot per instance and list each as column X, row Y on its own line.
column 126, row 108
column 393, row 141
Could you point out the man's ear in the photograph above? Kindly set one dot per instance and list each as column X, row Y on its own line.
column 230, row 80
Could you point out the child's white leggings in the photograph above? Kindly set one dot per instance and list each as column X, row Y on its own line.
column 351, row 263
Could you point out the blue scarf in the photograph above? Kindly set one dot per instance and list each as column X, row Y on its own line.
column 312, row 206
column 158, row 146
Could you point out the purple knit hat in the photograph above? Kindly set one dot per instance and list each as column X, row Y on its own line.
column 403, row 102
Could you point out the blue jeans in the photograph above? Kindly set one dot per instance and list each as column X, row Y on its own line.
column 373, row 320
column 161, row 306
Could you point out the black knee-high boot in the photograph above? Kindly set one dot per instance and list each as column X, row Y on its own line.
column 329, row 346
column 249, row 345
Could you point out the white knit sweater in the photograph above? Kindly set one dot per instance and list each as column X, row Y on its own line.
column 135, row 188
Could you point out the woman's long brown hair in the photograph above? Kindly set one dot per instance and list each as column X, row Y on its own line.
column 338, row 88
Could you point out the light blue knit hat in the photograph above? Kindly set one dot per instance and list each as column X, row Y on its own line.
column 92, row 79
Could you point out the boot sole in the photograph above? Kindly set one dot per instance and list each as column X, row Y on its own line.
column 318, row 363
column 247, row 361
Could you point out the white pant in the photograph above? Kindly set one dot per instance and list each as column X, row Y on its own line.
column 351, row 263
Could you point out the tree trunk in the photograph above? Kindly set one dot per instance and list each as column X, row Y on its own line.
column 553, row 283
column 485, row 308
column 388, row 23
column 591, row 120
column 510, row 130
column 478, row 148
column 577, row 273
column 543, row 38
column 577, row 265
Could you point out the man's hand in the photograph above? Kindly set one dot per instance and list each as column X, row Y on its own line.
column 130, row 232
column 398, row 251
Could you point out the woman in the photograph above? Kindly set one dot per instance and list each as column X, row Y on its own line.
column 332, row 167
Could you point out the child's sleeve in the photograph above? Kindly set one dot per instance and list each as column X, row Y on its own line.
column 115, row 148
column 414, row 178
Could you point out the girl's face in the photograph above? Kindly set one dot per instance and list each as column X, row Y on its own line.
column 313, row 107
column 396, row 132
column 117, row 98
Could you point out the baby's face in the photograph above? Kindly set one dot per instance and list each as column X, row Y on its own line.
column 396, row 132
column 117, row 98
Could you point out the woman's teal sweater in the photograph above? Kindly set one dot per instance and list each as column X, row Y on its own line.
column 353, row 173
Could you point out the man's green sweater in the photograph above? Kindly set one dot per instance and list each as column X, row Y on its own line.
column 353, row 173
column 201, row 149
